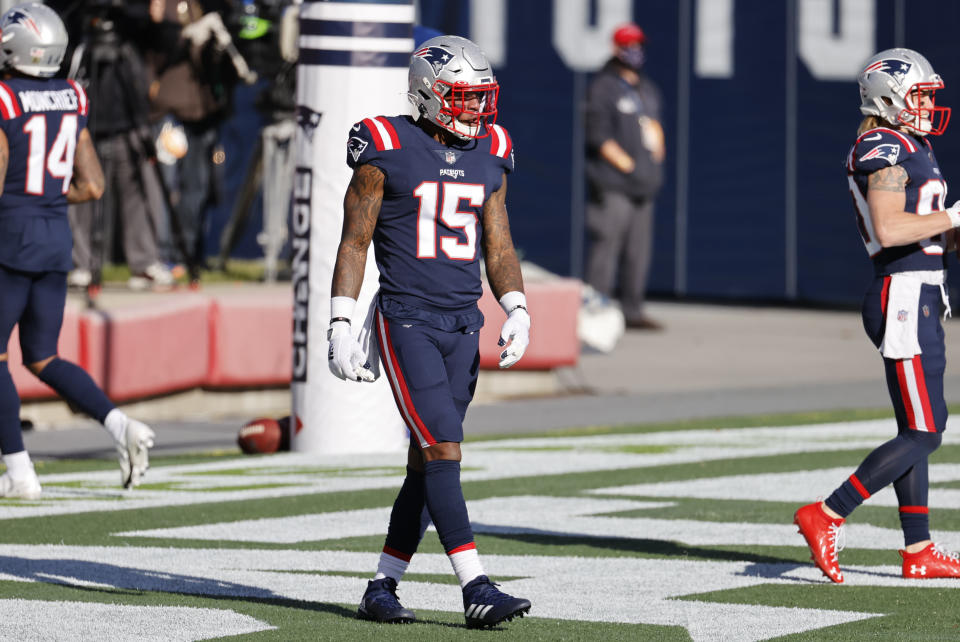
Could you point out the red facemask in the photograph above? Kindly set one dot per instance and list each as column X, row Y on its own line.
column 917, row 116
column 477, row 102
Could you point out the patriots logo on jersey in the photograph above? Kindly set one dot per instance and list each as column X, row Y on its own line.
column 308, row 120
column 438, row 57
column 889, row 152
column 896, row 68
column 356, row 146
column 18, row 17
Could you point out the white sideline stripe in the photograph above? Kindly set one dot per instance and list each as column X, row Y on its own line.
column 68, row 621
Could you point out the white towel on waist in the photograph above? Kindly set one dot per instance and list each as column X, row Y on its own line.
column 903, row 303
column 367, row 337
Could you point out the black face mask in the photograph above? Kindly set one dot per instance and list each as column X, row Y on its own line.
column 633, row 57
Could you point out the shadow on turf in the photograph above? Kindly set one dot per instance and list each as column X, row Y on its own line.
column 133, row 582
column 659, row 548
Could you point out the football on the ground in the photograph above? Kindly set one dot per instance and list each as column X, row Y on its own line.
column 261, row 435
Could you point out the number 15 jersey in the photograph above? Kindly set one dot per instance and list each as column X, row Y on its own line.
column 427, row 238
column 42, row 120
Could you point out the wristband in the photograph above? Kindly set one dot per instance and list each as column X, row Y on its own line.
column 341, row 307
column 954, row 215
column 513, row 300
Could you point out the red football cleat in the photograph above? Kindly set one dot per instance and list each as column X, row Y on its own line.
column 933, row 561
column 824, row 536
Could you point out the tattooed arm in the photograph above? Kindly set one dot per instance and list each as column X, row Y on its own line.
column 87, row 182
column 887, row 197
column 361, row 207
column 503, row 267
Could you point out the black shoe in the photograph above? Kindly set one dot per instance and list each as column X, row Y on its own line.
column 486, row 605
column 380, row 603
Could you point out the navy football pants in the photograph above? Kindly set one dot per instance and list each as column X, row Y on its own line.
column 916, row 390
column 915, row 385
column 35, row 301
column 433, row 375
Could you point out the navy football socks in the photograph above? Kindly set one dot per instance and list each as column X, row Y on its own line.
column 446, row 504
column 11, row 438
column 912, row 490
column 408, row 519
column 74, row 384
column 883, row 466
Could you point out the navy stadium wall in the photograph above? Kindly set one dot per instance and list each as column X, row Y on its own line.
column 762, row 105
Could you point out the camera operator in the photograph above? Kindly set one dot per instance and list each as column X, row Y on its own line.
column 194, row 67
column 267, row 32
column 111, row 68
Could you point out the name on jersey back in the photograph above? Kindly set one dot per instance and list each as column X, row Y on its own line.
column 58, row 100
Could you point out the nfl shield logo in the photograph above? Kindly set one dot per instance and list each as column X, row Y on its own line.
column 902, row 315
column 450, row 157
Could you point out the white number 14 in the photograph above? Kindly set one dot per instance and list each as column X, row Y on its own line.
column 60, row 160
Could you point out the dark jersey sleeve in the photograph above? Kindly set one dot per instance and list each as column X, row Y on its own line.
column 369, row 139
column 880, row 148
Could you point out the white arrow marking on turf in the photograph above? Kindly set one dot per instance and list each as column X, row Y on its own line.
column 573, row 588
column 73, row 621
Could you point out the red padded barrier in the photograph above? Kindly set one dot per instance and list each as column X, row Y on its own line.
column 178, row 342
column 553, row 307
column 251, row 340
column 68, row 347
column 149, row 350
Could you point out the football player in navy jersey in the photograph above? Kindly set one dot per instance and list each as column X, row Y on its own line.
column 898, row 194
column 47, row 159
column 429, row 191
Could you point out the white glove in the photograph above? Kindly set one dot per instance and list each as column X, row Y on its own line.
column 516, row 332
column 345, row 355
column 954, row 213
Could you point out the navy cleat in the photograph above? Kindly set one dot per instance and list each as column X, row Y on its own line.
column 380, row 603
column 486, row 605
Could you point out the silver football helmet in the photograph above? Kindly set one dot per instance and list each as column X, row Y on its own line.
column 33, row 40
column 452, row 85
column 894, row 86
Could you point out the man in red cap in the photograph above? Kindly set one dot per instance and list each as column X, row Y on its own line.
column 625, row 152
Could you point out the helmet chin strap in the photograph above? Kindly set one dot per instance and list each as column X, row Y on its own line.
column 470, row 131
